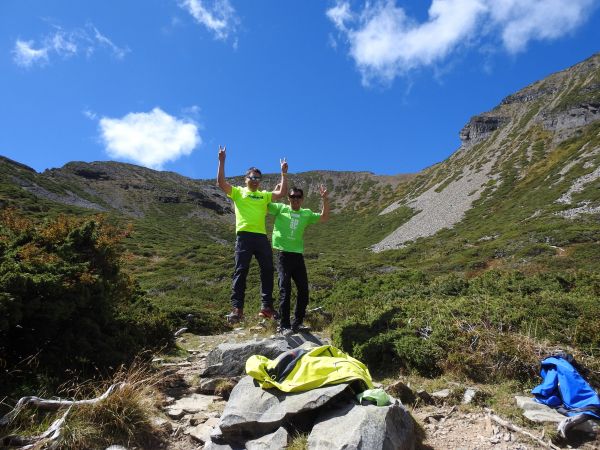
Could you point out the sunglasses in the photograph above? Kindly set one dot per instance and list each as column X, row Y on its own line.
column 253, row 178
column 294, row 196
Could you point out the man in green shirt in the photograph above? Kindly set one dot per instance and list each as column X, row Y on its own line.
column 288, row 231
column 251, row 236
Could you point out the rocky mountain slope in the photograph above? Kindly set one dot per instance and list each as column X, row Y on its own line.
column 136, row 191
column 545, row 136
column 526, row 174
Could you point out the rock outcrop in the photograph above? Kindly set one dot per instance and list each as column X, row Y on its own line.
column 480, row 128
column 507, row 143
column 256, row 418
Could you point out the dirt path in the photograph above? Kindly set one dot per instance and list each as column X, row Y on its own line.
column 447, row 428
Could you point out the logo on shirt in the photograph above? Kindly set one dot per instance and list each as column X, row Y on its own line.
column 255, row 196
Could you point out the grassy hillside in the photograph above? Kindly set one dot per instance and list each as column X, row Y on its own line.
column 483, row 298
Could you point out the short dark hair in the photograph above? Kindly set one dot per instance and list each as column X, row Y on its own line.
column 253, row 169
column 296, row 189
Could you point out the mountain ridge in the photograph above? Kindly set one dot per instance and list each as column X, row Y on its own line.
column 544, row 115
column 530, row 160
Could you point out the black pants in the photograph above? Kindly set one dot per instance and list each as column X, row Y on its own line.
column 290, row 266
column 247, row 245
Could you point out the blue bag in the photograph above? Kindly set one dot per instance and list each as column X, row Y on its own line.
column 565, row 389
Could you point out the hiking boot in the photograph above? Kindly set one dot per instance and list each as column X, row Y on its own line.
column 300, row 328
column 284, row 331
column 268, row 313
column 236, row 315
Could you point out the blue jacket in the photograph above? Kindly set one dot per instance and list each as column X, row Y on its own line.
column 564, row 388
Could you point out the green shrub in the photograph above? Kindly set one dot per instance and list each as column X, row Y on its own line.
column 491, row 327
column 65, row 303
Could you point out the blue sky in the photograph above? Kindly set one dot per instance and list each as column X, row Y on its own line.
column 382, row 86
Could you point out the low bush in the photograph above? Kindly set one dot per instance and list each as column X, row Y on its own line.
column 496, row 326
column 65, row 304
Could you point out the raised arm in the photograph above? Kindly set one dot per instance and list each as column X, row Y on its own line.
column 282, row 186
column 221, row 182
column 325, row 199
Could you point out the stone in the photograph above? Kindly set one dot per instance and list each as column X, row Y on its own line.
column 202, row 432
column 208, row 386
column 403, row 392
column 198, row 418
column 537, row 412
column 368, row 427
column 210, row 445
column 303, row 340
column 441, row 395
column 469, row 395
column 193, row 403
column 229, row 359
column 252, row 411
column 279, row 439
column 425, row 397
column 175, row 413
column 162, row 424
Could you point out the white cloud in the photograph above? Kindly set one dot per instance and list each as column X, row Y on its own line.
column 385, row 43
column 524, row 21
column 64, row 44
column 25, row 55
column 89, row 114
column 340, row 14
column 149, row 139
column 118, row 52
column 220, row 17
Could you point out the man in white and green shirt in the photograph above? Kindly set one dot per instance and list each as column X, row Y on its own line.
column 288, row 231
column 251, row 236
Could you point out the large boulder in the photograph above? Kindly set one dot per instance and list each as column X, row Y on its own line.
column 229, row 360
column 352, row 426
column 253, row 412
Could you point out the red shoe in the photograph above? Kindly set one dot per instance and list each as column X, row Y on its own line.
column 268, row 313
column 236, row 315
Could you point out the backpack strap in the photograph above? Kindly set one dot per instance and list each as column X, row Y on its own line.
column 285, row 363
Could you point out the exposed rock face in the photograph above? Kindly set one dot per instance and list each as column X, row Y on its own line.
column 528, row 95
column 508, row 142
column 480, row 127
column 91, row 174
column 574, row 117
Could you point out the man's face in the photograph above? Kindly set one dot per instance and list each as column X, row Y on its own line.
column 253, row 180
column 296, row 200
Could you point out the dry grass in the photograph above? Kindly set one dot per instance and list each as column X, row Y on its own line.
column 298, row 442
column 224, row 388
column 125, row 417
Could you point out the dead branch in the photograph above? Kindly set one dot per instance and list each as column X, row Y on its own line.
column 180, row 331
column 513, row 427
column 53, row 405
column 52, row 434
